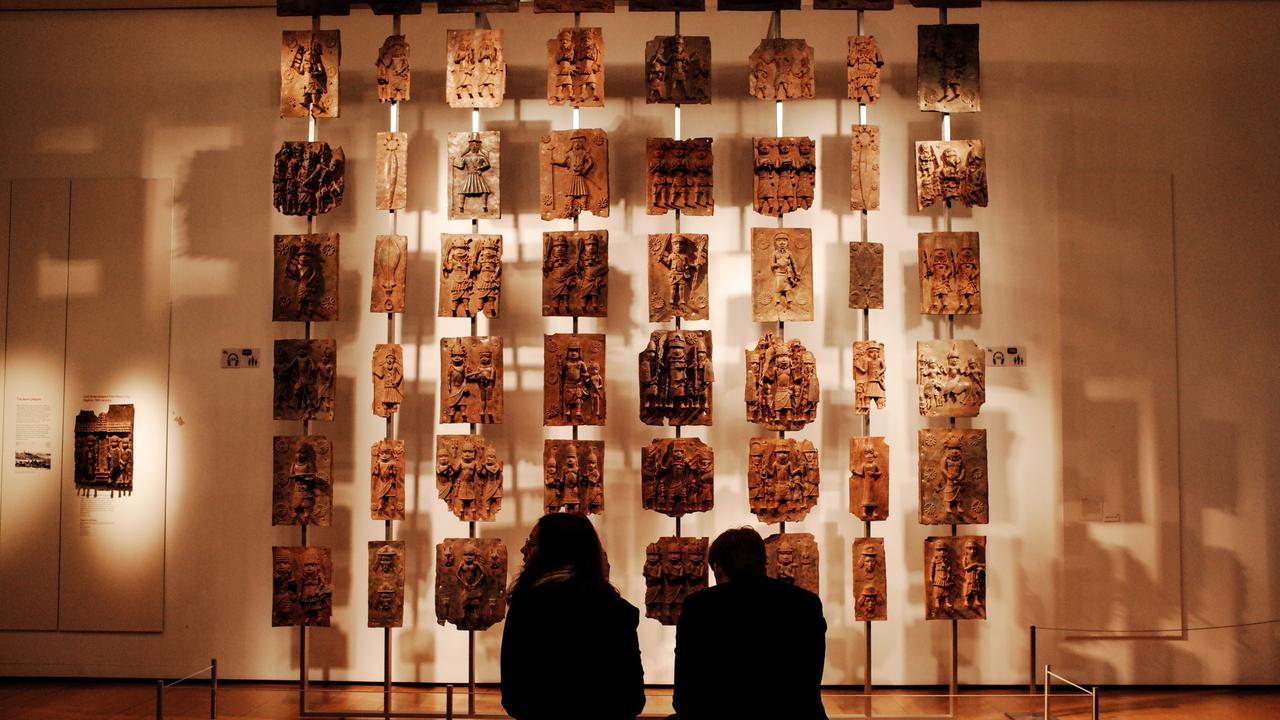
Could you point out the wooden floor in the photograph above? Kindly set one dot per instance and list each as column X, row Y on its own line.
column 68, row 700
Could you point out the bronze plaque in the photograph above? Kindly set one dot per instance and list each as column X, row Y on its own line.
column 573, row 173
column 390, row 268
column 393, row 70
column 477, row 6
column 575, row 67
column 469, row 476
column 863, row 69
column 780, row 69
column 574, row 388
column 678, row 277
column 674, row 567
column 477, row 72
column 475, row 175
column 104, row 451
column 950, row 274
column 575, row 274
column 306, row 8
column 781, row 274
column 391, row 163
column 305, row 281
column 955, row 577
column 470, row 275
column 386, row 480
column 725, row 5
column 572, row 6
column 782, row 479
column 301, row 586
column 947, row 69
column 301, row 480
column 309, row 73
column 679, row 176
column 784, row 175
column 395, row 7
column 304, row 377
column 953, row 476
column 793, row 559
column 386, row 583
column 666, row 5
column 869, row 478
column 952, row 375
column 781, row 386
column 868, row 376
column 870, row 586
column 953, row 171
column 675, row 378
column 866, row 275
column 677, row 476
column 309, row 178
column 677, row 69
column 471, row 379
column 852, row 4
column 864, row 180
column 388, row 379
column 573, row 476
column 471, row 582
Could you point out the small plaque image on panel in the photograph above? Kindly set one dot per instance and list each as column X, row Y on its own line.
column 573, row 476
column 470, row 275
column 391, row 161
column 947, row 68
column 866, row 275
column 471, row 582
column 955, row 586
column 869, row 478
column 477, row 6
column 574, row 389
column 950, row 274
column 390, row 268
column 475, row 175
column 301, row 586
column 666, row 5
column 784, row 175
column 868, row 376
column 674, row 568
column 309, row 73
column 575, row 67
column 953, row 476
column 388, row 379
column 952, row 375
column 302, row 480
column 675, row 378
column 304, row 377
column 573, row 174
column 852, row 4
column 386, row 583
column 680, row 176
column 864, row 180
column 469, row 476
column 793, row 559
column 863, row 69
column 575, row 274
column 395, row 7
column 104, row 451
column 394, row 75
column 677, row 70
column 781, row 69
column 572, row 6
column 471, row 379
column 781, row 386
column 782, row 479
column 309, row 8
column 870, row 587
column 477, row 72
column 308, row 179
column 781, row 274
column 724, row 5
column 951, row 171
column 386, row 480
column 677, row 476
column 678, row 265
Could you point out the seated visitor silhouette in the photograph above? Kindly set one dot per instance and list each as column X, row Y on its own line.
column 750, row 646
column 569, row 648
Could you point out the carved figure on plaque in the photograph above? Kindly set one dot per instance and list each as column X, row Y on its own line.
column 302, row 480
column 953, row 476
column 868, row 375
column 864, row 183
column 573, row 476
column 305, row 278
column 470, row 275
column 950, row 274
column 393, row 71
column 386, row 480
column 477, row 72
column 675, row 378
column 104, row 451
column 388, row 379
column 309, row 73
column 575, row 67
column 869, row 478
column 674, row 568
column 678, row 70
column 477, row 6
column 308, row 178
column 471, row 582
column 784, row 172
column 866, row 275
column 781, row 69
column 575, row 274
column 304, row 375
column 952, row 375
column 678, row 277
column 793, row 559
column 955, row 577
column 301, row 586
column 781, row 387
column 677, row 476
column 390, row 268
column 386, row 583
column 574, row 389
column 573, row 174
column 475, row 175
column 469, row 476
column 864, row 65
column 471, row 379
column 679, row 176
column 781, row 274
column 392, row 164
column 947, row 68
column 953, row 171
column 782, row 479
column 870, row 586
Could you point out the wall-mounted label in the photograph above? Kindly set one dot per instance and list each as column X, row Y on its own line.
column 240, row 358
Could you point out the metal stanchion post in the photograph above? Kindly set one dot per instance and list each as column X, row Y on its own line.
column 213, row 688
column 159, row 700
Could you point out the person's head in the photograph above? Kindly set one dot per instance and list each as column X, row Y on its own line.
column 565, row 544
column 737, row 553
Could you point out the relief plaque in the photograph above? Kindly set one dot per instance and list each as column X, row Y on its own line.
column 955, row 577
column 308, row 178
column 390, row 268
column 866, row 275
column 864, row 181
column 301, row 586
column 678, row 277
column 391, row 160
column 666, row 5
column 386, row 583
column 477, row 6
column 675, row 378
column 304, row 375
column 575, row 67
column 104, row 451
column 471, row 379
column 475, row 175
column 870, row 586
column 674, row 568
column 953, row 171
column 868, row 375
column 781, row 69
column 677, row 70
column 952, row 375
column 677, row 476
column 469, row 476
column 869, row 478
column 947, row 68
column 309, row 73
column 784, row 175
column 388, row 379
column 781, row 274
column 782, row 479
column 301, row 480
column 575, row 274
column 726, row 5
column 393, row 70
column 863, row 71
column 950, row 274
column 470, row 275
column 953, row 476
column 395, row 7
column 573, row 174
column 852, row 4
column 386, row 480
column 679, row 176
column 477, row 72
column 305, row 281
column 793, row 559
column 572, row 6
column 309, row 8
column 573, row 476
column 781, row 386
column 574, row 388
column 471, row 582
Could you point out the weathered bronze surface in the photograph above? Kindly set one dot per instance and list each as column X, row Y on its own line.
column 869, row 478
column 784, row 174
column 475, row 175
column 793, row 559
column 952, row 375
column 724, row 5
column 573, row 174
column 477, row 6
column 104, row 451
column 680, row 176
column 305, row 281
column 469, row 476
column 953, row 476
column 666, row 5
column 950, row 274
column 477, row 72
column 852, row 4
column 309, row 62
column 868, row 376
column 471, row 379
column 309, row 178
column 391, row 163
column 386, row 480
column 390, row 270
column 951, row 171
column 674, row 567
column 677, row 476
column 866, row 275
column 575, row 274
column 864, row 180
column 780, row 69
column 302, row 480
column 308, row 8
column 678, row 282
column 781, row 386
column 386, row 583
column 471, row 582
column 955, row 586
column 394, row 75
column 301, row 586
column 574, row 387
column 947, row 68
column 572, row 6
column 470, row 275
column 575, row 67
column 870, row 586
column 573, row 476
column 388, row 379
column 863, row 69
column 304, row 376
column 781, row 274
column 677, row 69
column 782, row 479
column 676, row 375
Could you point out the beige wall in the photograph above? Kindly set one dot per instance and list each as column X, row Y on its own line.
column 1136, row 128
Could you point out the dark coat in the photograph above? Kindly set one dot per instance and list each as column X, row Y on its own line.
column 751, row 648
column 570, row 652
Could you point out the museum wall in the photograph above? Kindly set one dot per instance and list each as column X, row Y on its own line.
column 1127, row 249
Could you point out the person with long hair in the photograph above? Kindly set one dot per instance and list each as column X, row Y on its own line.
column 569, row 647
